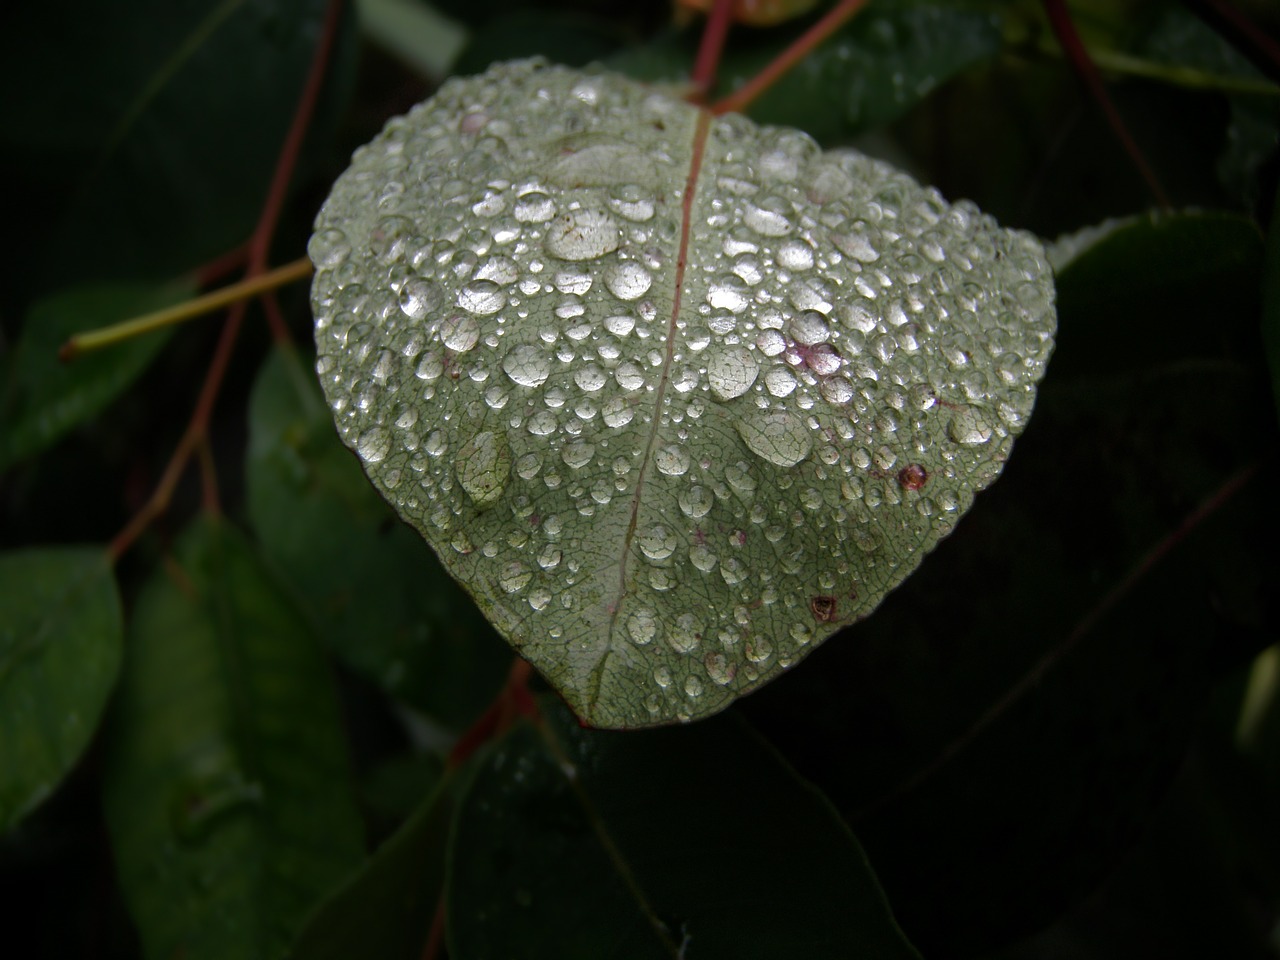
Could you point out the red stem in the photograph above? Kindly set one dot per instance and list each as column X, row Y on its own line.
column 1262, row 43
column 1065, row 30
column 804, row 44
column 258, row 248
column 710, row 49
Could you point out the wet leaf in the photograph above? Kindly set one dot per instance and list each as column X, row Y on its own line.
column 417, row 636
column 675, row 397
column 60, row 637
column 583, row 843
column 227, row 793
column 42, row 397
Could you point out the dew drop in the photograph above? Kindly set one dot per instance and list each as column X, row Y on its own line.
column 780, row 382
column 483, row 467
column 535, row 207
column 328, row 248
column 642, row 626
column 673, row 460
column 578, row 454
column 616, row 412
column 809, row 328
column 583, row 235
column 696, row 501
column 968, row 428
column 719, row 669
column 656, row 543
column 629, row 376
column 459, row 333
column 590, row 378
column 628, row 280
column 731, row 372
column 795, row 255
column 374, row 445
column 527, row 365
column 767, row 223
column 514, row 577
column 482, row 297
column 684, row 634
column 779, row 438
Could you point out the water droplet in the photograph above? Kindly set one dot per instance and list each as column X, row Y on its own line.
column 779, row 381
column 684, row 634
column 535, row 207
column 583, row 235
column 719, row 669
column 693, row 687
column 482, row 297
column 779, row 438
column 418, row 297
column 795, row 255
column 527, row 365
column 767, row 223
column 514, row 577
column 578, row 454
column 855, row 245
column 969, row 428
column 616, row 412
column 673, row 460
column 642, row 626
column 656, row 542
column 459, row 333
column 483, row 466
column 629, row 376
column 628, row 280
column 809, row 328
column 374, row 445
column 771, row 342
column 620, row 325
column 328, row 248
column 539, row 598
column 700, row 556
column 590, row 378
column 696, row 501
column 550, row 557
column 731, row 372
column 837, row 390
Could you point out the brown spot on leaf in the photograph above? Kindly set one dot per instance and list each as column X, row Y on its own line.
column 824, row 608
column 912, row 477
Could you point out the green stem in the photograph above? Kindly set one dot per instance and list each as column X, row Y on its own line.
column 181, row 312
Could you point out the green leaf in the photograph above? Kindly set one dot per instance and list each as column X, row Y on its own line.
column 227, row 792
column 41, row 397
column 1271, row 303
column 386, row 909
column 161, row 160
column 60, row 639
column 372, row 588
column 669, row 450
column 589, row 844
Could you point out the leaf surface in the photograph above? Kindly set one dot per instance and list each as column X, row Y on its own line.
column 227, row 793
column 42, row 397
column 587, row 843
column 674, row 396
column 60, row 640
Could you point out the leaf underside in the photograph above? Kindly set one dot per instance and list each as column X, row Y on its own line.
column 674, row 396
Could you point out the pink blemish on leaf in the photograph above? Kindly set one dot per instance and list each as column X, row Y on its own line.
column 912, row 477
column 823, row 608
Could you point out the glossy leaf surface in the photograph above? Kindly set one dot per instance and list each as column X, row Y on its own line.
column 573, row 842
column 226, row 792
column 674, row 396
column 60, row 638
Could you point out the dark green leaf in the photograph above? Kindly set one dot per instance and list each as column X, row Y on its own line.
column 1271, row 302
column 154, row 151
column 386, row 909
column 227, row 792
column 393, row 614
column 582, row 843
column 42, row 397
column 60, row 637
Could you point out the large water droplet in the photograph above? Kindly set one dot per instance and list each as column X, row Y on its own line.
column 696, row 501
column 673, row 460
column 527, row 365
column 642, row 626
column 684, row 634
column 656, row 542
column 767, row 223
column 483, row 467
column 482, row 297
column 629, row 376
column 535, row 207
column 779, row 438
column 969, row 428
column 795, row 255
column 628, row 280
column 809, row 328
column 583, row 235
column 373, row 445
column 514, row 577
column 779, row 381
column 459, row 333
column 578, row 454
column 731, row 372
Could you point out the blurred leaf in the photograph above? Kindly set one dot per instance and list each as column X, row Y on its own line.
column 60, row 639
column 152, row 151
column 374, row 590
column 1271, row 302
column 562, row 36
column 581, row 843
column 386, row 910
column 41, row 397
column 395, row 787
column 227, row 793
column 415, row 32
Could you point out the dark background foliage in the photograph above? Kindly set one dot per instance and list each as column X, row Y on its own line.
column 1059, row 739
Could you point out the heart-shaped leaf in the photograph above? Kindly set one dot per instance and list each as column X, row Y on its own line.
column 675, row 396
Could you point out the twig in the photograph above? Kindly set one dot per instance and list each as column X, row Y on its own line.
column 738, row 101
column 710, row 49
column 1065, row 30
column 180, row 312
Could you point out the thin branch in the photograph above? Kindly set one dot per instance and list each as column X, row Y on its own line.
column 741, row 98
column 710, row 49
column 1065, row 30
column 1032, row 678
column 1265, row 45
column 226, row 296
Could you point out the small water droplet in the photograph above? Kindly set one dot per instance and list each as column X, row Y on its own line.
column 780, row 382
column 642, row 626
column 719, row 669
column 656, row 542
column 620, row 325
column 683, row 635
column 693, row 687
column 809, row 328
column 969, row 428
column 731, row 372
column 590, row 378
column 578, row 454
column 535, row 207
column 795, row 255
column 629, row 376
column 514, row 577
column 374, row 445
column 700, row 556
column 696, row 501
column 616, row 412
column 459, row 333
column 328, row 248
column 767, row 223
